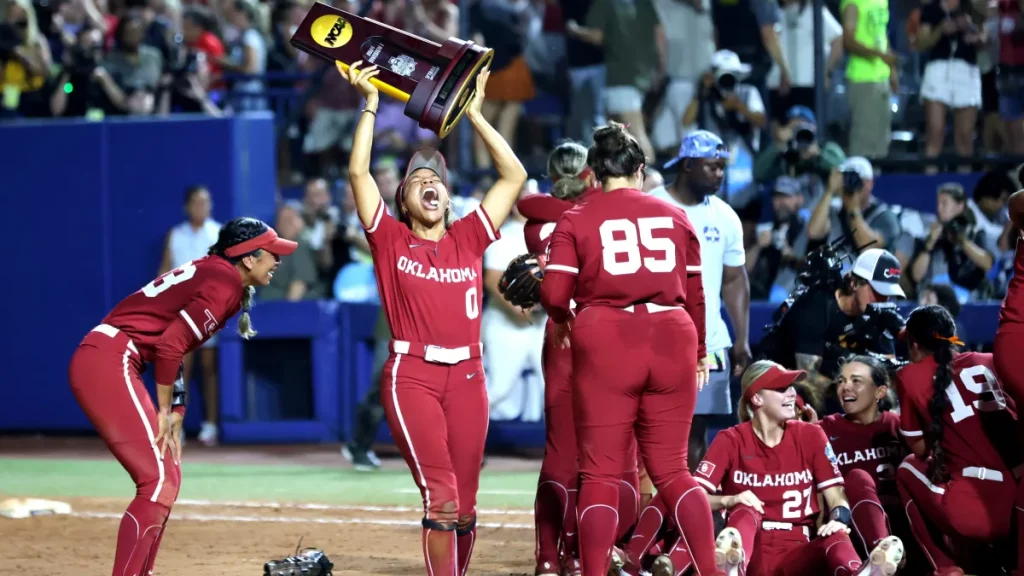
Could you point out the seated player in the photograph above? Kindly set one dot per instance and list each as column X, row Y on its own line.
column 869, row 448
column 956, row 487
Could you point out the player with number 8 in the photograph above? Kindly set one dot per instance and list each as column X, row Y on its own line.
column 158, row 325
column 768, row 473
column 961, row 429
column 428, row 269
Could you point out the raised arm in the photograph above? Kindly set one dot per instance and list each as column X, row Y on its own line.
column 363, row 186
column 511, row 175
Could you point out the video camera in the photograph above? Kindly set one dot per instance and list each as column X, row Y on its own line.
column 803, row 138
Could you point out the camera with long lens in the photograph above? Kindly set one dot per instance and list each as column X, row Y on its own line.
column 802, row 140
column 955, row 229
column 852, row 182
column 725, row 82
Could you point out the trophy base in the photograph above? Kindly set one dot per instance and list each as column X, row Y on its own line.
column 438, row 106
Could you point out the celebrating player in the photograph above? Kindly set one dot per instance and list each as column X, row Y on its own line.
column 869, row 449
column 632, row 264
column 952, row 410
column 158, row 325
column 767, row 472
column 428, row 271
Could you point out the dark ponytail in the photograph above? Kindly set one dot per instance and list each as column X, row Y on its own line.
column 933, row 329
column 235, row 232
column 615, row 153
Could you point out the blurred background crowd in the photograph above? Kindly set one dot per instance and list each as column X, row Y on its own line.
column 814, row 105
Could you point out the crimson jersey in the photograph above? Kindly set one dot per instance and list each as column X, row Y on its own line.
column 978, row 414
column 786, row 478
column 626, row 247
column 876, row 448
column 431, row 290
column 1012, row 312
column 542, row 212
column 178, row 311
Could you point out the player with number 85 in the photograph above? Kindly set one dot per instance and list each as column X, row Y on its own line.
column 158, row 325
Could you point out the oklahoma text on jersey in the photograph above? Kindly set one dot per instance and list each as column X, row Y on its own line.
column 443, row 275
column 869, row 454
column 759, row 481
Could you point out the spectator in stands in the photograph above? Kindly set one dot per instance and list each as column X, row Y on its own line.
column 587, row 74
column 296, row 278
column 989, row 206
column 653, row 179
column 749, row 29
column 83, row 85
column 952, row 80
column 781, row 247
column 629, row 34
column 690, row 46
column 247, row 56
column 321, row 219
column 733, row 109
column 513, row 338
column 282, row 57
column 24, row 63
column 954, row 250
column 503, row 25
column 191, row 240
column 796, row 37
column 944, row 295
column 134, row 66
column 871, row 76
column 993, row 131
column 795, row 152
column 1011, row 72
column 198, row 34
column 436, row 20
column 848, row 209
column 332, row 113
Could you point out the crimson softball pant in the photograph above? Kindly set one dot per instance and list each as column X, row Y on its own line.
column 438, row 416
column 635, row 372
column 876, row 517
column 966, row 507
column 105, row 378
column 776, row 549
column 1005, row 352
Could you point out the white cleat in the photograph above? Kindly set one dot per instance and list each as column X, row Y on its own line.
column 729, row 551
column 662, row 566
column 208, row 434
column 885, row 559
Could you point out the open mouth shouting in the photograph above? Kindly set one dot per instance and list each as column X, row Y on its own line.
column 429, row 198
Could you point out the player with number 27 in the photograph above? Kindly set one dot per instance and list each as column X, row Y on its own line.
column 158, row 325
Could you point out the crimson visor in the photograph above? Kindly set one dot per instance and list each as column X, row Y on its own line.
column 774, row 379
column 268, row 241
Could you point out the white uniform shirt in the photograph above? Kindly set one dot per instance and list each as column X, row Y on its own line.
column 721, row 244
column 187, row 243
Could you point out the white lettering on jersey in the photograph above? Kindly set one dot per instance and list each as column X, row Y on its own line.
column 772, row 480
column 442, row 275
column 868, row 455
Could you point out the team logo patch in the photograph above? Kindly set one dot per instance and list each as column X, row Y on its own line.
column 712, row 234
column 705, row 469
column 831, row 455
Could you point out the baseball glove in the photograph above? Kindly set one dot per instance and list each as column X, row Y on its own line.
column 520, row 284
column 307, row 562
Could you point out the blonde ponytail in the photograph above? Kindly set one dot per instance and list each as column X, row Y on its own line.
column 245, row 329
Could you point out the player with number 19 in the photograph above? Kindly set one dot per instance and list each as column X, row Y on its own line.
column 158, row 325
column 958, row 478
column 632, row 264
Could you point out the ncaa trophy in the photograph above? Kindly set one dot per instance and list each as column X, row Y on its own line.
column 436, row 81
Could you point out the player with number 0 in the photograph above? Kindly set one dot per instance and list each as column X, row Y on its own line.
column 158, row 325
column 958, row 478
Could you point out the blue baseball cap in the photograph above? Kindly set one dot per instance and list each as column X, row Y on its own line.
column 803, row 113
column 700, row 144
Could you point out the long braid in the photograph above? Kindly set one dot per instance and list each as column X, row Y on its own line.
column 943, row 354
column 245, row 329
column 234, row 232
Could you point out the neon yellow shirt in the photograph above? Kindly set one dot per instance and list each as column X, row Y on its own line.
column 872, row 24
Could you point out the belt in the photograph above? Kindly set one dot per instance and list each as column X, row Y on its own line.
column 650, row 308
column 787, row 526
column 108, row 330
column 982, row 473
column 437, row 354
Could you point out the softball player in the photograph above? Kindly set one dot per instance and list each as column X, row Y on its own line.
column 768, row 472
column 168, row 318
column 428, row 272
column 632, row 265
column 955, row 466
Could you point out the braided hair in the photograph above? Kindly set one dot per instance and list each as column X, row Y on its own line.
column 235, row 232
column 933, row 329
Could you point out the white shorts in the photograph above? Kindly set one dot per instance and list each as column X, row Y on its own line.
column 622, row 99
column 954, row 83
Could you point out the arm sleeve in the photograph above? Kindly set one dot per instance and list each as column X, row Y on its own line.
column 561, row 272
column 475, row 232
column 695, row 304
column 202, row 317
column 824, row 464
column 716, row 463
column 910, row 422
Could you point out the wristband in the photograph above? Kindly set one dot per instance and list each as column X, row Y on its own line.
column 370, row 111
column 840, row 514
column 179, row 394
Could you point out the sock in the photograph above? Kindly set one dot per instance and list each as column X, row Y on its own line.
column 151, row 561
column 464, row 540
column 629, row 505
column 747, row 522
column 549, row 511
column 688, row 507
column 138, row 536
column 645, row 533
column 570, row 544
column 598, row 523
column 842, row 559
column 869, row 519
column 439, row 551
column 681, row 558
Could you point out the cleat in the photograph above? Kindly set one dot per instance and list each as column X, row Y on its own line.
column 615, row 568
column 729, row 551
column 885, row 559
column 362, row 461
column 662, row 566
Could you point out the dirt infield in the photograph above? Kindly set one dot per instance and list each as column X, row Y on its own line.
column 205, row 539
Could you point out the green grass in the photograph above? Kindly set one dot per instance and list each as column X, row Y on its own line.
column 327, row 485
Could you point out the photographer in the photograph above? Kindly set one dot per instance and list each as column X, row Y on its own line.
column 781, row 247
column 83, row 86
column 848, row 210
column 824, row 323
column 796, row 153
column 954, row 245
column 184, row 87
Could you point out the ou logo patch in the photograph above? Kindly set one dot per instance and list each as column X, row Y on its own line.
column 712, row 234
column 705, row 469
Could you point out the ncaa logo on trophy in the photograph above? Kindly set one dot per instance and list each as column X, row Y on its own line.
column 436, row 81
